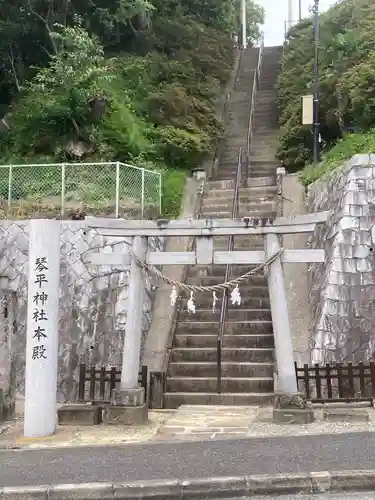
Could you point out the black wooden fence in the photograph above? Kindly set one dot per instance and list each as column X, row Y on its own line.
column 95, row 384
column 337, row 382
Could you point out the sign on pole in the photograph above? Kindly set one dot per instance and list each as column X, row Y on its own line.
column 307, row 110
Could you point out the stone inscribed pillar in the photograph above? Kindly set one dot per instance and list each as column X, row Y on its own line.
column 42, row 328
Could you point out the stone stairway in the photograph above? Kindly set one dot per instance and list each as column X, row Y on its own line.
column 248, row 344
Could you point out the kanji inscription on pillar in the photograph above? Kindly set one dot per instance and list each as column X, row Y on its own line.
column 40, row 314
column 42, row 327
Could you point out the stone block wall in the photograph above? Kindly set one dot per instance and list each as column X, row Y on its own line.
column 93, row 303
column 342, row 290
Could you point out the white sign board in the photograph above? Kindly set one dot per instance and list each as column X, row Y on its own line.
column 307, row 110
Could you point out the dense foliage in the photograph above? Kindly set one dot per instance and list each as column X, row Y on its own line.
column 347, row 89
column 116, row 80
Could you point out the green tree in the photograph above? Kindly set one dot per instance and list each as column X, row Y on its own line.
column 345, row 68
column 128, row 80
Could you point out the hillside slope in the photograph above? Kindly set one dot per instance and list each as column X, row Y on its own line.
column 347, row 87
column 126, row 80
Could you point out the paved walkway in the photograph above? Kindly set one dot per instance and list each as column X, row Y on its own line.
column 188, row 423
column 188, row 460
column 208, row 422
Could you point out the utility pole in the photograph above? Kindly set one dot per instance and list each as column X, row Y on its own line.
column 243, row 23
column 316, row 145
column 290, row 15
column 300, row 10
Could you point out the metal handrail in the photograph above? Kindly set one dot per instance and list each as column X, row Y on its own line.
column 224, row 302
column 235, row 209
column 219, row 146
column 251, row 113
column 198, row 203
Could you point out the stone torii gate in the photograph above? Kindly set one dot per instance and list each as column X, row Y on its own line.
column 204, row 230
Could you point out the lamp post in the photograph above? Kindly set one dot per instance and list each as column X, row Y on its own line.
column 290, row 15
column 243, row 23
column 316, row 143
column 300, row 10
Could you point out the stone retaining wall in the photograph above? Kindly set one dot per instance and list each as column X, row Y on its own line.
column 93, row 304
column 342, row 290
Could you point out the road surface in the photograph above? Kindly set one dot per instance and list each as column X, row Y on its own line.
column 328, row 496
column 188, row 460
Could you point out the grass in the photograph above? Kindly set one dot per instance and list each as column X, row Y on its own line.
column 348, row 146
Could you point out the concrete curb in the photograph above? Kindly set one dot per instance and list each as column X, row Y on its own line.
column 201, row 489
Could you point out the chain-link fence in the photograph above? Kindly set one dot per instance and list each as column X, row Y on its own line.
column 69, row 190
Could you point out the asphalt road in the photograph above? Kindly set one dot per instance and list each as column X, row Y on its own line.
column 328, row 496
column 188, row 460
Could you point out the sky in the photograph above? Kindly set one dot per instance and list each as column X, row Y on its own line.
column 277, row 13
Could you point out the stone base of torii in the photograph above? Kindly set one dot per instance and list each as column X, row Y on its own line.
column 128, row 403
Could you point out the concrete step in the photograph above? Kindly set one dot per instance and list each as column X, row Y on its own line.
column 259, row 149
column 194, row 327
column 238, row 246
column 230, row 149
column 267, row 158
column 256, row 174
column 265, row 110
column 263, row 169
column 259, row 172
column 238, row 341
column 218, row 270
column 205, row 300
column 230, row 172
column 216, row 280
column 259, row 208
column 241, row 241
column 260, row 187
column 227, row 214
column 228, row 369
column 252, row 243
column 264, row 130
column 267, row 163
column 176, row 399
column 264, row 140
column 239, row 314
column 245, row 201
column 265, row 94
column 233, row 354
column 271, row 85
column 263, row 182
column 260, row 132
column 230, row 156
column 257, row 294
column 228, row 384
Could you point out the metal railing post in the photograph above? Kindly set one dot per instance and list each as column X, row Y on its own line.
column 160, row 194
column 143, row 193
column 117, row 209
column 224, row 303
column 63, row 173
column 10, row 179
